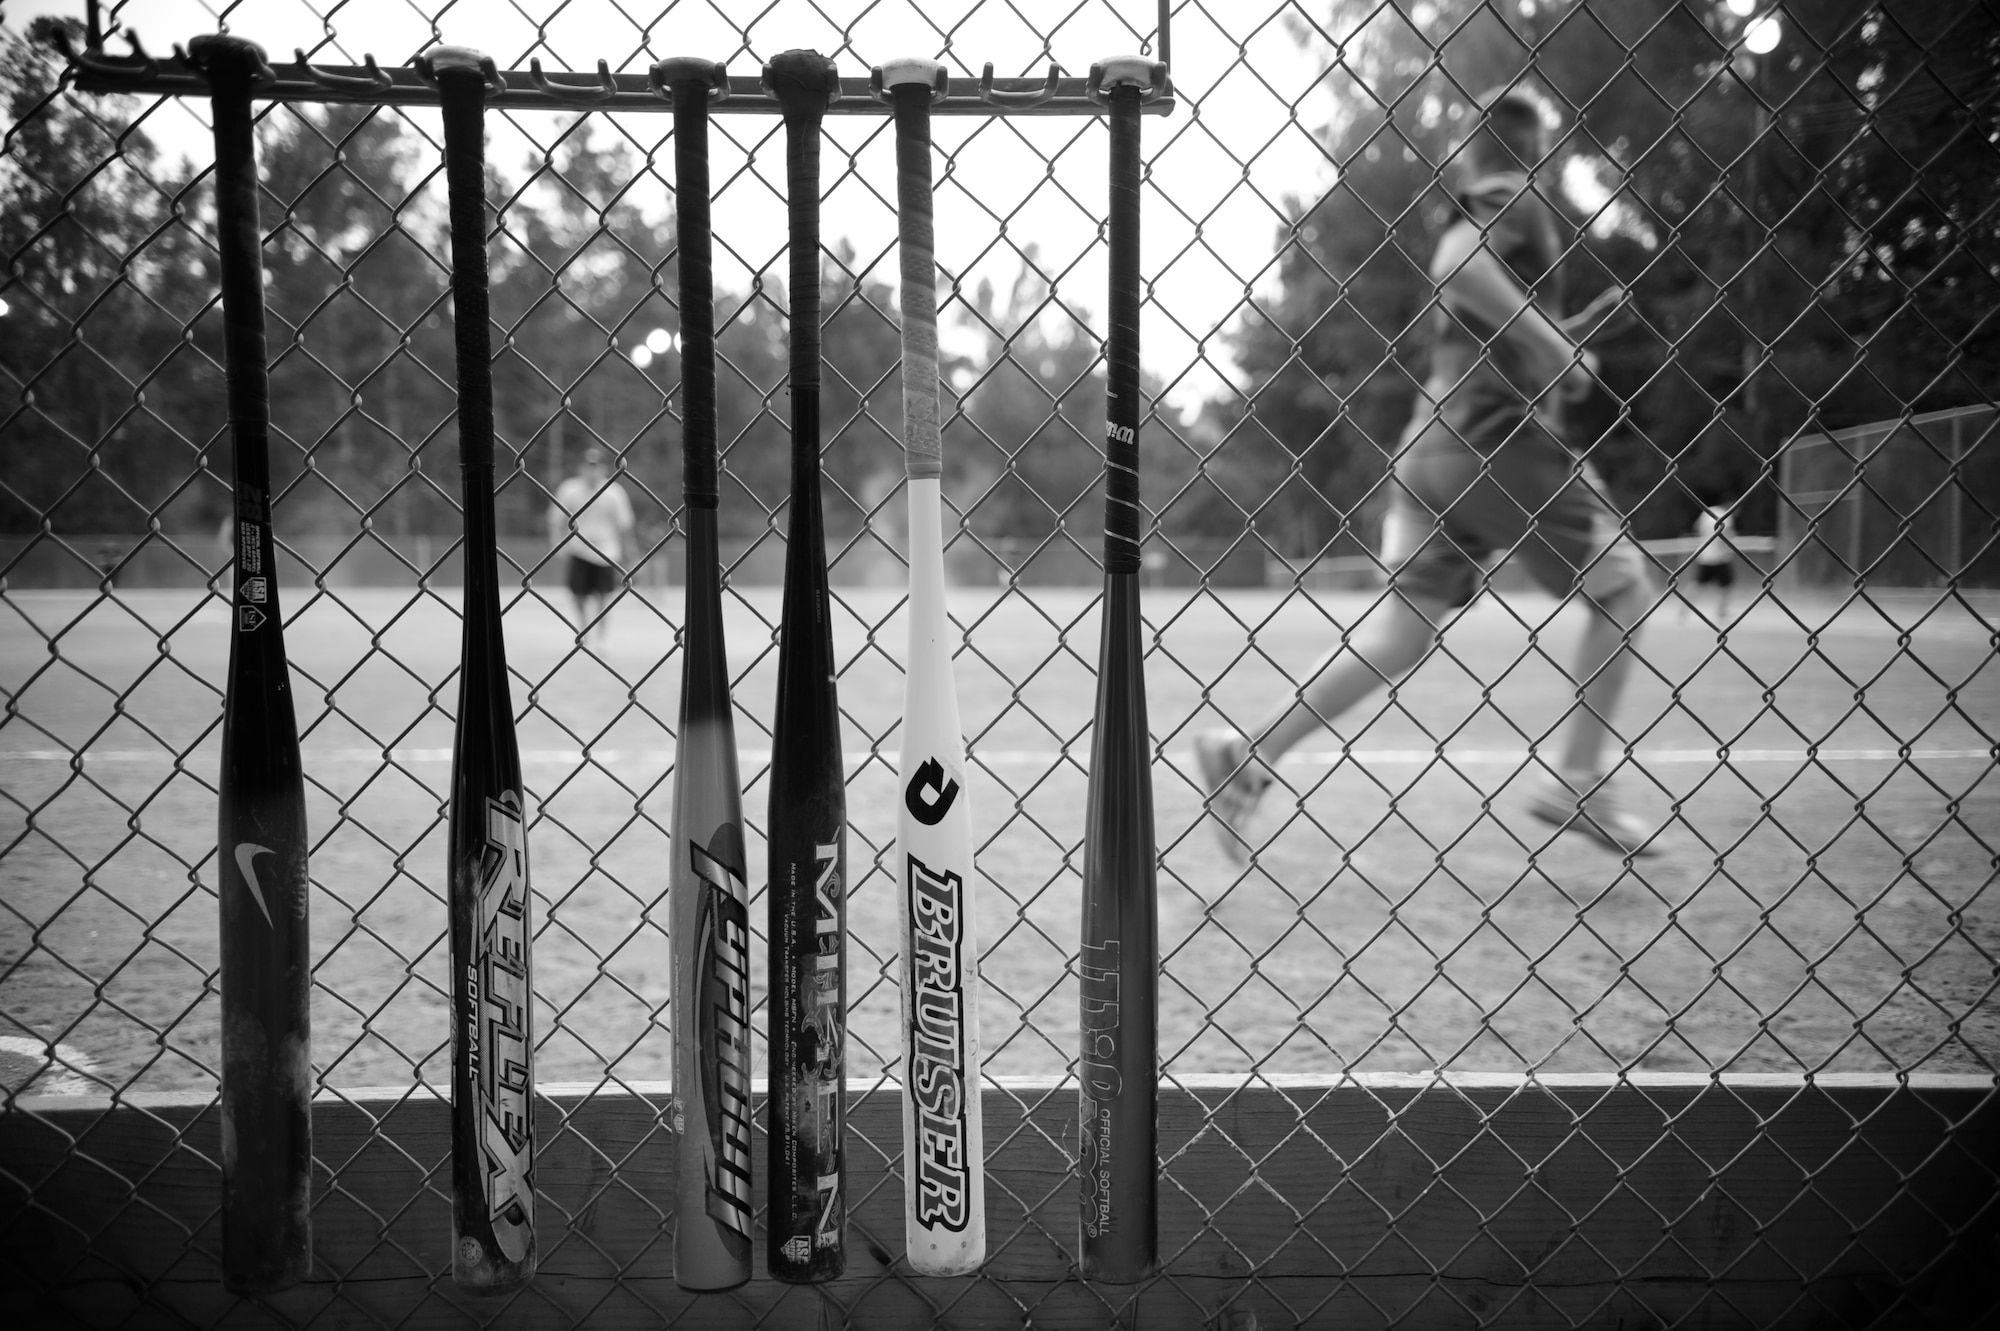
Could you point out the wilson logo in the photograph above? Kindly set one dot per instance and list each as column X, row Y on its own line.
column 1119, row 434
column 936, row 1054
column 497, row 1027
column 723, row 1015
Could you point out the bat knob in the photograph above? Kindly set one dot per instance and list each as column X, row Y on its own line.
column 217, row 54
column 893, row 74
column 667, row 74
column 1126, row 71
column 460, row 60
column 804, row 83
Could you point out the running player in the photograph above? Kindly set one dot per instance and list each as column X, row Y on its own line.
column 1483, row 470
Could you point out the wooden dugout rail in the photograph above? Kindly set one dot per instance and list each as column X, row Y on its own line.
column 1754, row 1201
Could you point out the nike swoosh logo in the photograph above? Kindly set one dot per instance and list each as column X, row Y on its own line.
column 246, row 860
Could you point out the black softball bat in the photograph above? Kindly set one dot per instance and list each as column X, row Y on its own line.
column 709, row 904
column 1118, row 965
column 261, row 825
column 492, row 1065
column 807, row 823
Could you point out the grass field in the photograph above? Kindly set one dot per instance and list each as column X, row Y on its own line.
column 1832, row 912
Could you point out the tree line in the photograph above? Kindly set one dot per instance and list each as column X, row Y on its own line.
column 1811, row 241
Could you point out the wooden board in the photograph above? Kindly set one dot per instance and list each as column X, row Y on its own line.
column 1468, row 1200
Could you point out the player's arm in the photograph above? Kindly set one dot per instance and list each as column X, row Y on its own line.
column 1610, row 308
column 1473, row 281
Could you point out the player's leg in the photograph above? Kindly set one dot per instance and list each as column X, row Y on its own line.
column 598, row 604
column 1430, row 576
column 1579, row 547
column 576, row 576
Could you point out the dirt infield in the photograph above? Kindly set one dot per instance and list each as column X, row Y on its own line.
column 1834, row 911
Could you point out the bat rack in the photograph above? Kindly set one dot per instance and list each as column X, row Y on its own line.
column 532, row 89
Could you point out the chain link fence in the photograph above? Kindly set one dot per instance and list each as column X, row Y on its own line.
column 1801, row 199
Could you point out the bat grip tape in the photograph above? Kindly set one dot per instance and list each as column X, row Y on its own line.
column 232, row 70
column 922, row 444
column 1122, row 408
column 802, row 172
column 697, row 271
column 463, row 96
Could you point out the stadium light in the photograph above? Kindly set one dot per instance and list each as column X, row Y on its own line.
column 1761, row 37
column 1741, row 8
column 659, row 341
column 642, row 355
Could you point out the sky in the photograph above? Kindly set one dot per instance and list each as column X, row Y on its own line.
column 1243, row 140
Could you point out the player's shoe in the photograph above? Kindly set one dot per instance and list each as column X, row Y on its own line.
column 1233, row 787
column 1591, row 809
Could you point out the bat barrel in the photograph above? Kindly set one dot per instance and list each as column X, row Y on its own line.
column 1118, row 964
column 261, row 829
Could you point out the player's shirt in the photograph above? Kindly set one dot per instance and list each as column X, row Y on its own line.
column 1713, row 527
column 602, row 516
column 1479, row 381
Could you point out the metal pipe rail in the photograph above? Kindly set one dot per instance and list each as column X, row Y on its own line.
column 533, row 89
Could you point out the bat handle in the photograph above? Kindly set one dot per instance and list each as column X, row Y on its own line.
column 912, row 86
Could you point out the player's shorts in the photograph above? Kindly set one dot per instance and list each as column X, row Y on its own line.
column 588, row 579
column 1454, row 507
column 1715, row 575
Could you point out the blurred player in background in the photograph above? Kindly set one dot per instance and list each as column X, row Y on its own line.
column 1715, row 557
column 591, row 523
column 1484, row 470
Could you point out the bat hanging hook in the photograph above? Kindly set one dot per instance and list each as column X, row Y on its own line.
column 1018, row 100
column 603, row 91
column 373, row 81
column 137, row 67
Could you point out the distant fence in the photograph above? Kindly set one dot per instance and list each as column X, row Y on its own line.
column 1906, row 502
